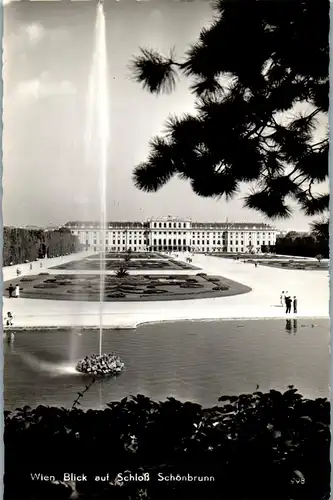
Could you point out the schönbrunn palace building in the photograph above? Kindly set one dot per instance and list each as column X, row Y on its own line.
column 174, row 234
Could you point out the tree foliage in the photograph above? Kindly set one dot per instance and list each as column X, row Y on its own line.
column 259, row 75
column 272, row 446
column 22, row 245
column 302, row 246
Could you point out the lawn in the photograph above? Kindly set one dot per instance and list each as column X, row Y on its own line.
column 86, row 287
column 242, row 256
column 135, row 264
column 134, row 255
column 305, row 265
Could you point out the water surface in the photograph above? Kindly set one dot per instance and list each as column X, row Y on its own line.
column 197, row 361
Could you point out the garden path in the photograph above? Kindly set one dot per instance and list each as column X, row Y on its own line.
column 311, row 288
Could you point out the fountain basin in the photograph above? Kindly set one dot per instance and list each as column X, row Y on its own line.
column 101, row 364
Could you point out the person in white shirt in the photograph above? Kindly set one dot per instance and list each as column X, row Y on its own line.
column 282, row 298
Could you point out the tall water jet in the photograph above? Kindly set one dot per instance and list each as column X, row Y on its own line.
column 98, row 128
column 97, row 139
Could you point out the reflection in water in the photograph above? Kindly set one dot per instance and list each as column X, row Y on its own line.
column 8, row 345
column 288, row 325
column 291, row 327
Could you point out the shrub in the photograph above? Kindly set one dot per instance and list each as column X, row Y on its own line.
column 153, row 291
column 191, row 280
column 203, row 275
column 44, row 274
column 151, row 286
column 220, row 288
column 121, row 272
column 50, row 280
column 274, row 433
column 26, row 279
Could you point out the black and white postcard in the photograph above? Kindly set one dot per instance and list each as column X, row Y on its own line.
column 166, row 249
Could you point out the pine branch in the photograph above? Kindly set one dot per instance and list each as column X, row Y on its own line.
column 81, row 394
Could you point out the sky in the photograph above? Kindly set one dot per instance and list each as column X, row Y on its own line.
column 48, row 52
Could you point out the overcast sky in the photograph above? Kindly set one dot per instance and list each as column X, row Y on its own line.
column 48, row 54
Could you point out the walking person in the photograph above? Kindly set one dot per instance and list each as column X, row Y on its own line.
column 17, row 291
column 288, row 304
column 10, row 291
column 295, row 304
column 282, row 298
column 30, row 266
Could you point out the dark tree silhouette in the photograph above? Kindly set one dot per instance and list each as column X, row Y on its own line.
column 320, row 229
column 258, row 446
column 260, row 79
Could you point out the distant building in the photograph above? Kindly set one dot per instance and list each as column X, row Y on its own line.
column 174, row 234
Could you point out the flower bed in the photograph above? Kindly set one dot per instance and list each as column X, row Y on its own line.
column 100, row 364
column 130, row 288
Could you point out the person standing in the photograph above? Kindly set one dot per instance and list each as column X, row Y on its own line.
column 9, row 319
column 17, row 291
column 10, row 291
column 288, row 304
column 282, row 298
column 30, row 266
column 295, row 304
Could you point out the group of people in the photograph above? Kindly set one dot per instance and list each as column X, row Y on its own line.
column 14, row 291
column 288, row 302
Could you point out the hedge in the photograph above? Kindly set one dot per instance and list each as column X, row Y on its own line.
column 22, row 245
column 272, row 446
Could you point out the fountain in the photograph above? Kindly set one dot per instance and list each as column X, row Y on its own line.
column 98, row 120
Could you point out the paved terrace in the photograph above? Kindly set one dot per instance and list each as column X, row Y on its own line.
column 311, row 288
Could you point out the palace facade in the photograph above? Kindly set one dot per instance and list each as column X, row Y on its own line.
column 174, row 234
